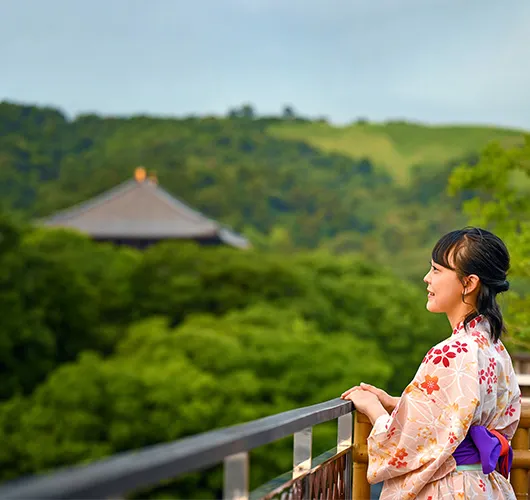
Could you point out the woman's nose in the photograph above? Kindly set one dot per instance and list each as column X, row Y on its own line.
column 426, row 277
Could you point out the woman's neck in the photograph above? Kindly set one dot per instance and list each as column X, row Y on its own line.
column 460, row 314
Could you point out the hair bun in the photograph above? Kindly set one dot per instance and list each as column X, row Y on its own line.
column 503, row 286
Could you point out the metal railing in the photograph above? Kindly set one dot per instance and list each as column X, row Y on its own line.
column 124, row 473
column 328, row 476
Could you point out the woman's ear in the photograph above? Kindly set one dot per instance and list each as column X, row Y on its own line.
column 471, row 283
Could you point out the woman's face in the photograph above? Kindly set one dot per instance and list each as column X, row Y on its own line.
column 444, row 289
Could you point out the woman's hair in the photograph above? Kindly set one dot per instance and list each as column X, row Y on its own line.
column 476, row 251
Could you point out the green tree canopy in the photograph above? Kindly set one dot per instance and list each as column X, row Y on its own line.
column 164, row 383
column 501, row 183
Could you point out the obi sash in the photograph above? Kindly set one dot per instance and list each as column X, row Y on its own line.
column 487, row 447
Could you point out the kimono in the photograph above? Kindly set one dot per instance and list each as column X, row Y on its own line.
column 463, row 381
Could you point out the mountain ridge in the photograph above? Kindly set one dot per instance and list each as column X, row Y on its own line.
column 285, row 182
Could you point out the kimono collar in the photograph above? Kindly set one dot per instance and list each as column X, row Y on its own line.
column 472, row 324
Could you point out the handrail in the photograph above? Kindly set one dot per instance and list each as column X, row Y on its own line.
column 328, row 476
column 149, row 466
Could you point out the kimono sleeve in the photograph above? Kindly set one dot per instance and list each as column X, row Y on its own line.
column 511, row 416
column 431, row 419
column 510, row 411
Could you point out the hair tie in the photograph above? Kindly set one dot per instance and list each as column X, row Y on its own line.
column 504, row 286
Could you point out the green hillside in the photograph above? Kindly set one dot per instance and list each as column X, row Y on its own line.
column 396, row 147
column 285, row 182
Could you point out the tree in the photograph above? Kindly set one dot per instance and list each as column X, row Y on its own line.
column 178, row 279
column 246, row 111
column 501, row 184
column 108, row 269
column 163, row 384
column 371, row 302
column 60, row 294
column 288, row 113
column 27, row 346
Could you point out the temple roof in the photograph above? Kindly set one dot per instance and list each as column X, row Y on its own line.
column 140, row 209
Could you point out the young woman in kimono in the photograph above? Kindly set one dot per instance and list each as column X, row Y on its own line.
column 448, row 434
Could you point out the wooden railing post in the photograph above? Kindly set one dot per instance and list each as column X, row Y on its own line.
column 361, row 430
column 519, row 472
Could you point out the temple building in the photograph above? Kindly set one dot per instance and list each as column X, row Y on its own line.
column 139, row 213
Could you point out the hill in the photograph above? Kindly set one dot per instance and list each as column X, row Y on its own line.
column 396, row 147
column 285, row 182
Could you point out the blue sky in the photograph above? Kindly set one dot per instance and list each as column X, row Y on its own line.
column 436, row 61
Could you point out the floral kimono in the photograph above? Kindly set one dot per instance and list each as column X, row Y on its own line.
column 466, row 380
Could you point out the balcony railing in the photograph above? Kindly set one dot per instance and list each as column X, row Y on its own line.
column 337, row 474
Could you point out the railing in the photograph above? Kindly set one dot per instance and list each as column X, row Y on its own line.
column 521, row 456
column 148, row 467
column 326, row 477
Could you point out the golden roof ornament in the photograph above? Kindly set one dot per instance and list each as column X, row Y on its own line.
column 140, row 174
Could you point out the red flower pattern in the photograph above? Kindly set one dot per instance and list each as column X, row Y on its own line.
column 510, row 411
column 482, row 484
column 459, row 347
column 472, row 324
column 490, row 373
column 475, row 321
column 443, row 355
column 480, row 339
column 428, row 356
column 499, row 347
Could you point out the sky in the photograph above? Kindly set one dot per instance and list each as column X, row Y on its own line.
column 433, row 61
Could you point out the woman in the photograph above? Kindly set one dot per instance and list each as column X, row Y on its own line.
column 447, row 436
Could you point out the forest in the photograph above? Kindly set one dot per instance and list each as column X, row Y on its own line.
column 106, row 349
column 285, row 182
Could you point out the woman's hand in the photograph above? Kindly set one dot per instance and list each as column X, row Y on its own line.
column 365, row 402
column 389, row 402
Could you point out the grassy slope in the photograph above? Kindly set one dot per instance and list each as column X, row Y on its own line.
column 397, row 146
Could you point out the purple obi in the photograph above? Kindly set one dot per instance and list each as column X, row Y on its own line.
column 489, row 448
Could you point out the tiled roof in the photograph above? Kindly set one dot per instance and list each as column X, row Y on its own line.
column 141, row 210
